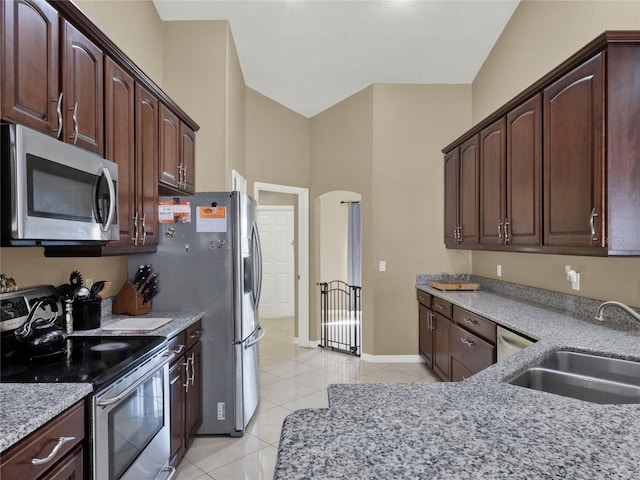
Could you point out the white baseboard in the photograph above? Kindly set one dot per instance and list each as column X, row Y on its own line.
column 392, row 358
column 309, row 344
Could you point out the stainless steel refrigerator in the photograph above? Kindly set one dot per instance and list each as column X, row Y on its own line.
column 209, row 259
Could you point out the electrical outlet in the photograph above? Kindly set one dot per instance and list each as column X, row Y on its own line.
column 382, row 266
column 88, row 282
column 499, row 270
column 575, row 283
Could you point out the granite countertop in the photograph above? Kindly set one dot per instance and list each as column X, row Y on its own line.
column 480, row 428
column 25, row 407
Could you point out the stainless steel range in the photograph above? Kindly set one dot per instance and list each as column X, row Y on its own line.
column 128, row 413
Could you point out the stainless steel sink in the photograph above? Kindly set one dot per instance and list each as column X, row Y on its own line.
column 592, row 378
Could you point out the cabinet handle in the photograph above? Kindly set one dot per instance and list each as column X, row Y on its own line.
column 470, row 321
column 178, row 349
column 192, row 377
column 196, row 334
column 467, row 342
column 74, row 137
column 432, row 317
column 499, row 231
column 186, row 369
column 54, row 452
column 179, row 174
column 144, row 229
column 58, row 130
column 184, row 176
column 507, row 238
column 460, row 234
column 135, row 229
column 594, row 237
column 439, row 307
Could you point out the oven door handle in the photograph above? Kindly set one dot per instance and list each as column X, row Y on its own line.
column 112, row 200
column 110, row 401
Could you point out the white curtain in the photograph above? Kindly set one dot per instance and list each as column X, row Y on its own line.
column 354, row 246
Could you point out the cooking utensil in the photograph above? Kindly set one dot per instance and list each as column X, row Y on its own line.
column 82, row 292
column 104, row 290
column 75, row 279
column 96, row 288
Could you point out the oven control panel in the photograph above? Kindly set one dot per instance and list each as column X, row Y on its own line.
column 15, row 306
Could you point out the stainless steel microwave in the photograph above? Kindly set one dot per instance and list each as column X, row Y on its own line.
column 54, row 193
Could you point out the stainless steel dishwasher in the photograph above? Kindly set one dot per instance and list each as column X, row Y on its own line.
column 510, row 342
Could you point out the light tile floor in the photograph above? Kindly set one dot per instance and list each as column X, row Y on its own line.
column 291, row 378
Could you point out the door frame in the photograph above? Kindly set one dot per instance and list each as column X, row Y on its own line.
column 303, row 251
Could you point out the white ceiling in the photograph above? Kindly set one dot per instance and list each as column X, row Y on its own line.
column 310, row 54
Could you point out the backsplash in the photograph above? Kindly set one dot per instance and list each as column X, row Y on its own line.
column 557, row 301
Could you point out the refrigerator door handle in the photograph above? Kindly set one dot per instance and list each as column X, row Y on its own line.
column 255, row 240
column 260, row 330
column 246, row 339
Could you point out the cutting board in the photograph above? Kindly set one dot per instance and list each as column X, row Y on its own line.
column 137, row 324
column 453, row 285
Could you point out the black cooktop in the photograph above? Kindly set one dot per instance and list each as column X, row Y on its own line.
column 96, row 360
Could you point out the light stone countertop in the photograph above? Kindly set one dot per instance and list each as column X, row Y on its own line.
column 25, row 407
column 481, row 428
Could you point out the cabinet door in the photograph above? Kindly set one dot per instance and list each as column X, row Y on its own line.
column 573, row 157
column 177, row 381
column 451, row 184
column 524, row 173
column 169, row 148
column 30, row 87
column 468, row 192
column 146, row 166
column 188, row 155
column 119, row 145
column 193, row 417
column 493, row 162
column 425, row 334
column 83, row 91
column 442, row 350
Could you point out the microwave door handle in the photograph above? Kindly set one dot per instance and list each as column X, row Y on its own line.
column 112, row 199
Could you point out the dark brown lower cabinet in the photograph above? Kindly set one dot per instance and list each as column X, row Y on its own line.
column 471, row 351
column 185, row 385
column 442, row 349
column 458, row 371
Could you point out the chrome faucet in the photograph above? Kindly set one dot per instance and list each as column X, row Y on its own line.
column 622, row 306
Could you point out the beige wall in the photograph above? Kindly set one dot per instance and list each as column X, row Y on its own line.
column 334, row 227
column 341, row 142
column 277, row 143
column 135, row 27
column 411, row 123
column 539, row 37
column 195, row 76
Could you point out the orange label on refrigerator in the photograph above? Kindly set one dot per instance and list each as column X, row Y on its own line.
column 212, row 212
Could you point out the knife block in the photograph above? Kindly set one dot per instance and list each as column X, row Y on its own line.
column 129, row 302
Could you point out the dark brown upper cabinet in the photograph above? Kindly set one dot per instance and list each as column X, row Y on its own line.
column 461, row 195
column 177, row 155
column 82, row 91
column 30, row 78
column 559, row 163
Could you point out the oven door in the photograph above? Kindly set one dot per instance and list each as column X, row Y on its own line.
column 131, row 425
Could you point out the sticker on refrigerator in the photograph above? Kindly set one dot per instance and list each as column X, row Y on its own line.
column 176, row 211
column 211, row 219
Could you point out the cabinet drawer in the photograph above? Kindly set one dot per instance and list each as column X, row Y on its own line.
column 475, row 323
column 424, row 298
column 442, row 307
column 470, row 350
column 16, row 462
column 458, row 371
column 193, row 333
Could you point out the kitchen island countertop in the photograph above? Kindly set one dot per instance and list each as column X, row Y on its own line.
column 25, row 407
column 481, row 428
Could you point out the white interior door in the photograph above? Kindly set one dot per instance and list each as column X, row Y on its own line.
column 275, row 224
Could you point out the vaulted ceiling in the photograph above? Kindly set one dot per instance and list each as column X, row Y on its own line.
column 310, row 54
